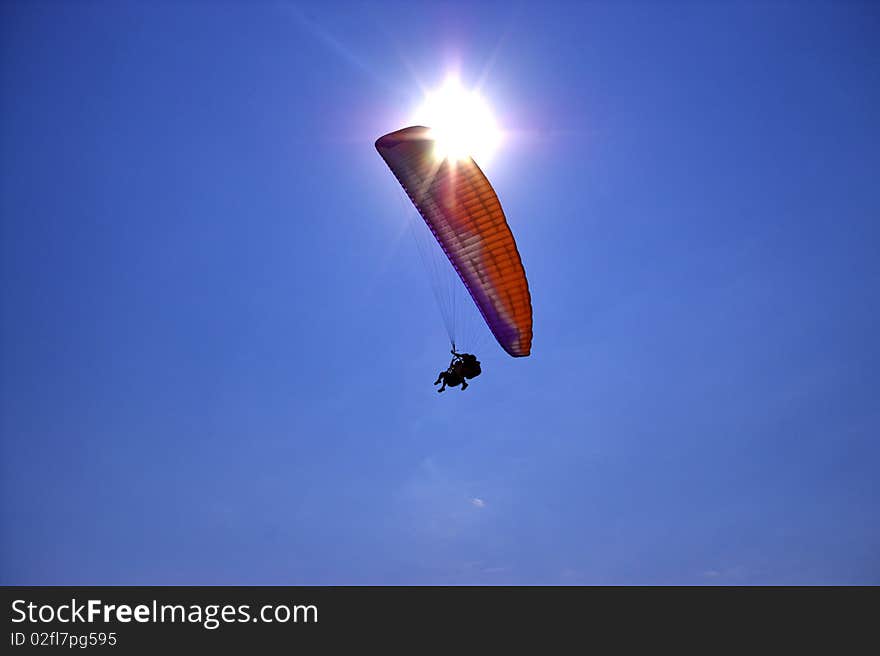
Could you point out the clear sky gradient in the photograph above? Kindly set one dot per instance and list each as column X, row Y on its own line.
column 217, row 343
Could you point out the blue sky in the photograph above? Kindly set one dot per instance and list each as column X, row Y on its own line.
column 217, row 349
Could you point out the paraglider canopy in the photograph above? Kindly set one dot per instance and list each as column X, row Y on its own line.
column 464, row 214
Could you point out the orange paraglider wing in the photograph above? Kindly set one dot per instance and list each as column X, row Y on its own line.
column 463, row 212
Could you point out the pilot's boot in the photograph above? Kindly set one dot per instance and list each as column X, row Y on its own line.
column 463, row 385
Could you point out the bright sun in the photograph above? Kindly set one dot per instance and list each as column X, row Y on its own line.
column 461, row 123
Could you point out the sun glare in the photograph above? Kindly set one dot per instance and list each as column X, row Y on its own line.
column 461, row 122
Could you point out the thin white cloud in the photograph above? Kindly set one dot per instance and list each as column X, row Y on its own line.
column 737, row 572
column 494, row 570
column 479, row 503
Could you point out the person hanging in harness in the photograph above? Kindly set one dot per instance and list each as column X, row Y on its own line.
column 462, row 367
